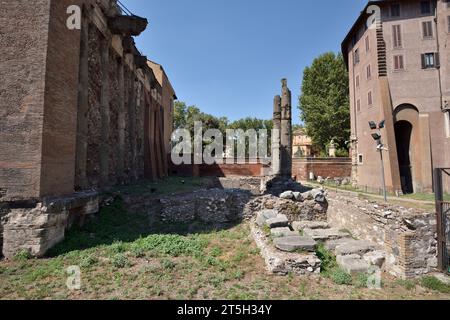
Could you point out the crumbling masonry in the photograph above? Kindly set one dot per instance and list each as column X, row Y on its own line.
column 81, row 110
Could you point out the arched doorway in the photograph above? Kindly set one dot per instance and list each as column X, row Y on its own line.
column 403, row 134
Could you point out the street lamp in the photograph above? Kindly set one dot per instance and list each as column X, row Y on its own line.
column 380, row 147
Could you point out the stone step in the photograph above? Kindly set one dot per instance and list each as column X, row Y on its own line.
column 325, row 234
column 265, row 215
column 280, row 221
column 357, row 247
column 331, row 245
column 283, row 232
column 352, row 264
column 301, row 225
column 295, row 243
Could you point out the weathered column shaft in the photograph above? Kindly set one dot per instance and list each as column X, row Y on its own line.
column 105, row 114
column 83, row 107
column 286, row 130
column 276, row 142
column 121, row 124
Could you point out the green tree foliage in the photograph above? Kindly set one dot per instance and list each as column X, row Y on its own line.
column 324, row 102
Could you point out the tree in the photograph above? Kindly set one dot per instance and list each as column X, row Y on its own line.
column 324, row 102
column 179, row 115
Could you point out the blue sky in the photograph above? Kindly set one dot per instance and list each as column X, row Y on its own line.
column 228, row 56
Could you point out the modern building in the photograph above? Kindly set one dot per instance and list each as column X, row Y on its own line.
column 399, row 69
column 302, row 144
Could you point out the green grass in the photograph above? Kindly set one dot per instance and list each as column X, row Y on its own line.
column 340, row 276
column 434, row 283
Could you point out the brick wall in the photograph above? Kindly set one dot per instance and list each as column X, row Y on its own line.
column 220, row 170
column 324, row 167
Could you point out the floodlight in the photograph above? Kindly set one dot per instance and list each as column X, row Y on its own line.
column 372, row 125
column 382, row 124
column 376, row 136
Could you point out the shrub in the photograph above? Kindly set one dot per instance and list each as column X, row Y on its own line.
column 23, row 255
column 327, row 257
column 88, row 261
column 168, row 264
column 120, row 261
column 340, row 276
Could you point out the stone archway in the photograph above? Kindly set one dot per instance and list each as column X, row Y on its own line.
column 403, row 134
column 412, row 133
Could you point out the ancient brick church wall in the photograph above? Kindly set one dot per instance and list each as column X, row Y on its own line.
column 321, row 167
column 74, row 116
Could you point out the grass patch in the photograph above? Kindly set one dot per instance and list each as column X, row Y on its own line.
column 340, row 276
column 435, row 284
column 120, row 261
column 407, row 284
column 23, row 255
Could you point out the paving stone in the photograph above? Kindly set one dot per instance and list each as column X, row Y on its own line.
column 375, row 258
column 280, row 221
column 332, row 244
column 301, row 225
column 325, row 234
column 283, row 232
column 287, row 195
column 352, row 264
column 295, row 243
column 360, row 247
column 265, row 215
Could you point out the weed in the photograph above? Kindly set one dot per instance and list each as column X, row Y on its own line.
column 361, row 280
column 216, row 252
column 120, row 261
column 88, row 261
column 407, row 284
column 168, row 264
column 327, row 257
column 340, row 276
column 23, row 255
column 434, row 283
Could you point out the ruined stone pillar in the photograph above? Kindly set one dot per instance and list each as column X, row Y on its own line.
column 286, row 130
column 105, row 114
column 83, row 107
column 276, row 142
column 121, row 124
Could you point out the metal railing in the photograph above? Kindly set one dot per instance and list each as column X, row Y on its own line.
column 442, row 216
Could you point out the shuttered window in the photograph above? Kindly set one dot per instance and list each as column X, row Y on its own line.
column 397, row 35
column 357, row 56
column 427, row 29
column 430, row 60
column 398, row 62
column 367, row 44
column 369, row 72
column 369, row 98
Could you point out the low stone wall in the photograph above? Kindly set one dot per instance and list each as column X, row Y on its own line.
column 37, row 227
column 323, row 167
column 212, row 206
column 407, row 235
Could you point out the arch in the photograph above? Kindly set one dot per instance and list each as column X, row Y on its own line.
column 407, row 136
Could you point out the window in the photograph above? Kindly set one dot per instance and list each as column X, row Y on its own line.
column 357, row 81
column 358, row 105
column 425, row 7
column 395, row 10
column 369, row 72
column 398, row 62
column 397, row 34
column 448, row 23
column 369, row 98
column 430, row 60
column 360, row 159
column 447, row 122
column 367, row 44
column 427, row 29
column 357, row 56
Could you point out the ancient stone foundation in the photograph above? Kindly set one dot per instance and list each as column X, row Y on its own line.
column 407, row 236
column 36, row 227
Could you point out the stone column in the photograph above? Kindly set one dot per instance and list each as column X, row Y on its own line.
column 105, row 114
column 286, row 130
column 83, row 107
column 276, row 142
column 121, row 124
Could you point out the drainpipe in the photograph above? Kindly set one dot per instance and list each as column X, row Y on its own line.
column 439, row 53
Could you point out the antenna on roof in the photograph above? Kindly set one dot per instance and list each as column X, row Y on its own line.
column 124, row 9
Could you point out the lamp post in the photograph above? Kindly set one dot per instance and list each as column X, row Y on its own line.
column 380, row 147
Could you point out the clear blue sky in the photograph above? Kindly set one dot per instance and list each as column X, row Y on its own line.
column 228, row 56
